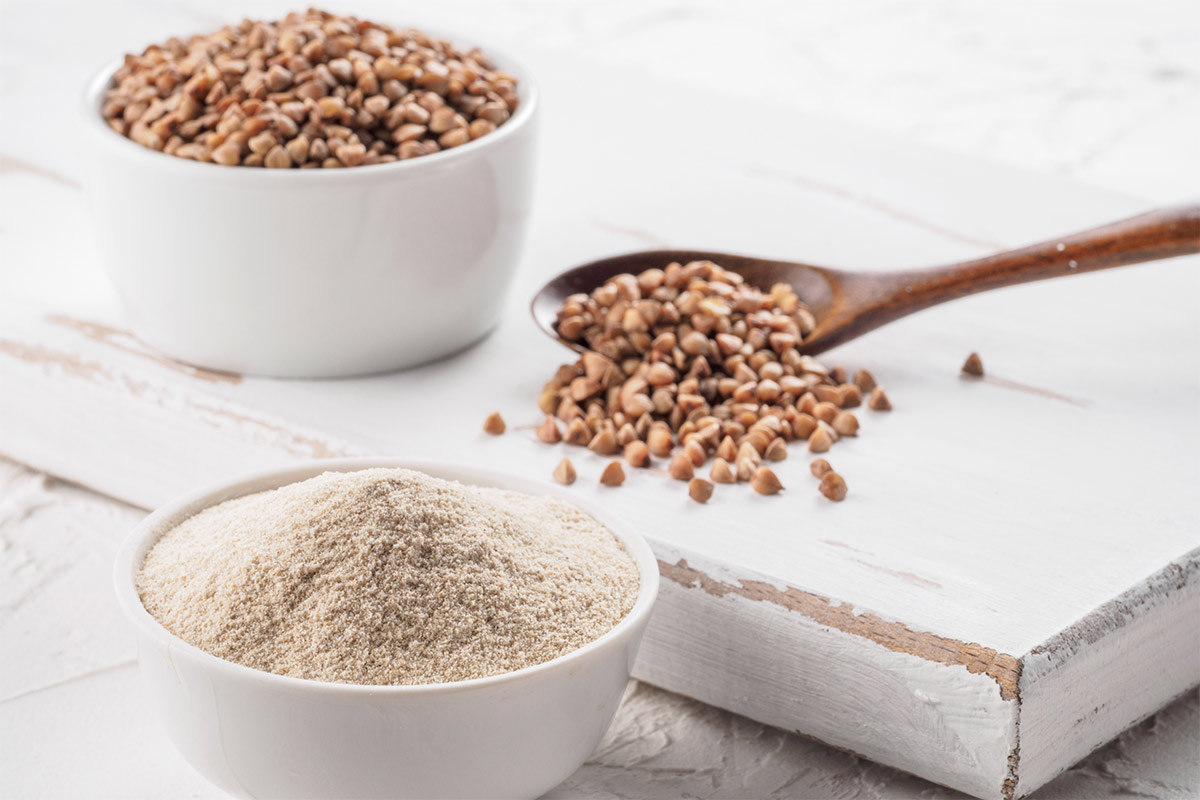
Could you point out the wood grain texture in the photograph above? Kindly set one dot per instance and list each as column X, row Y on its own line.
column 978, row 513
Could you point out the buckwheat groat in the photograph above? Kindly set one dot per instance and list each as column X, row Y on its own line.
column 310, row 90
column 691, row 362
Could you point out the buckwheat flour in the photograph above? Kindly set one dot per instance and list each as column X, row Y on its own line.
column 388, row 576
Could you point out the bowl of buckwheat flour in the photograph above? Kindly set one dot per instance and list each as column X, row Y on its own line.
column 379, row 628
column 313, row 195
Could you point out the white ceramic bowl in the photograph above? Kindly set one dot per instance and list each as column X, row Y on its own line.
column 312, row 273
column 256, row 734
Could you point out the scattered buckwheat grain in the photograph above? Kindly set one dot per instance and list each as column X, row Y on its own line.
column 637, row 454
column 700, row 490
column 819, row 468
column 764, row 481
column 494, row 424
column 548, row 431
column 833, row 486
column 845, row 423
column 564, row 473
column 721, row 472
column 681, row 468
column 613, row 474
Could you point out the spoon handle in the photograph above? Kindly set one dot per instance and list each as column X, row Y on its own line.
column 1163, row 233
column 864, row 301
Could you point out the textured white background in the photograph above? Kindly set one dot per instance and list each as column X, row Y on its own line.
column 1104, row 92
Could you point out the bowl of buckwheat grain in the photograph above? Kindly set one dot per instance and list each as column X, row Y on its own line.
column 385, row 628
column 312, row 196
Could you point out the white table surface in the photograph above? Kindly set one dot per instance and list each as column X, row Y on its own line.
column 1102, row 92
column 74, row 724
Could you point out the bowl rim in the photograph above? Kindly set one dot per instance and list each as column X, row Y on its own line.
column 147, row 532
column 527, row 91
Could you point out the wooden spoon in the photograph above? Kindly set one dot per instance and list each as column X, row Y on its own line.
column 848, row 304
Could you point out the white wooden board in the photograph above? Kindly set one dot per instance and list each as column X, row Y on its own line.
column 1015, row 576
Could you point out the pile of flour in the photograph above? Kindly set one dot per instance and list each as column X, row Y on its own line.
column 388, row 576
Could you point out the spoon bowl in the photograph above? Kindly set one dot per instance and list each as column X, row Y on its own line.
column 847, row 304
column 814, row 284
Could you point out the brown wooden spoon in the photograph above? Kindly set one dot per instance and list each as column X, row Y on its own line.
column 848, row 304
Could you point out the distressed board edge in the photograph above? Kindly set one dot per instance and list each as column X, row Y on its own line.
column 1085, row 685
column 1002, row 668
column 944, row 710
